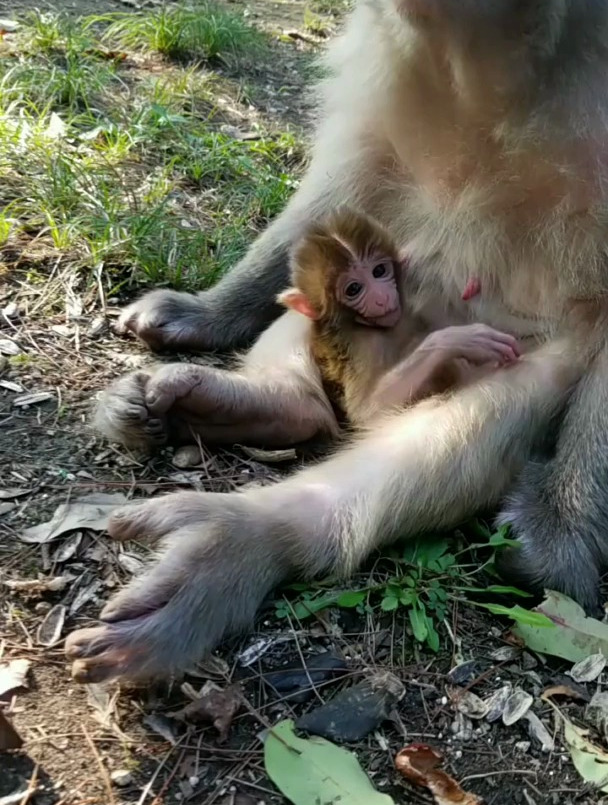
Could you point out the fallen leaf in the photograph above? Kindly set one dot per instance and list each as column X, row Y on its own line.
column 92, row 511
column 312, row 771
column 214, row 705
column 537, row 730
column 163, row 726
column 467, row 703
column 68, row 547
column 10, row 386
column 418, row 764
column 596, row 713
column 269, row 456
column 496, row 703
column 562, row 690
column 51, row 584
column 8, row 347
column 574, row 636
column 33, row 399
column 589, row 669
column 590, row 761
column 516, row 707
column 13, row 675
column 9, row 737
column 49, row 631
column 13, row 492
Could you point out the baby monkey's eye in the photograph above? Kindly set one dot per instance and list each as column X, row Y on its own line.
column 353, row 289
column 379, row 271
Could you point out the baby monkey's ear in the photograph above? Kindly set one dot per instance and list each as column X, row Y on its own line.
column 295, row 299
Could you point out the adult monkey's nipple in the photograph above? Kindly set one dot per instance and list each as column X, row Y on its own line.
column 471, row 289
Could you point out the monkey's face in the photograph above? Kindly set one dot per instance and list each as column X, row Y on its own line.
column 370, row 290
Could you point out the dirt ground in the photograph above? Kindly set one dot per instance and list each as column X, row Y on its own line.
column 77, row 739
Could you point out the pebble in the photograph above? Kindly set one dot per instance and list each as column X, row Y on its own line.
column 121, row 777
column 189, row 456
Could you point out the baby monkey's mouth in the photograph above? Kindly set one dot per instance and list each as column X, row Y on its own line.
column 387, row 320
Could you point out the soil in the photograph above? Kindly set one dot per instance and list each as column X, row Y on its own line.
column 75, row 738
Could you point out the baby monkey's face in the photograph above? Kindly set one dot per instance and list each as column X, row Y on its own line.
column 370, row 290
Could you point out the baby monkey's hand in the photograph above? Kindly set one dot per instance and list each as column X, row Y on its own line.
column 476, row 343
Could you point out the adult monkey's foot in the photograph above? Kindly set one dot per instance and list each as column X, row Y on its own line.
column 218, row 560
column 123, row 415
column 167, row 319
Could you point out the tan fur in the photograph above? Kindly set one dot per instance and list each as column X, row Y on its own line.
column 484, row 153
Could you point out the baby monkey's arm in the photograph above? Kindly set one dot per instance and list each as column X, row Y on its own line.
column 440, row 363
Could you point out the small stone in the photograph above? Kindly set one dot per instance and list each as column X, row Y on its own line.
column 11, row 311
column 189, row 456
column 98, row 326
column 121, row 777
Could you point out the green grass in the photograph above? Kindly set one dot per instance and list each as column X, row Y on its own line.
column 129, row 164
column 203, row 31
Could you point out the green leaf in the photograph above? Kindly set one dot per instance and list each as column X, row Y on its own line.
column 431, row 551
column 590, row 761
column 432, row 638
column 418, row 621
column 501, row 537
column 314, row 771
column 520, row 615
column 389, row 603
column 498, row 589
column 574, row 636
column 407, row 597
column 351, row 599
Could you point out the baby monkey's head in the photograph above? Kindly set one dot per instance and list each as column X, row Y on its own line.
column 346, row 269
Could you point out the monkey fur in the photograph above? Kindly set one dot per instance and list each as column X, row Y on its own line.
column 476, row 132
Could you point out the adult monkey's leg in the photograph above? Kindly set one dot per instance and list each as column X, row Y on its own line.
column 221, row 554
column 559, row 508
column 273, row 398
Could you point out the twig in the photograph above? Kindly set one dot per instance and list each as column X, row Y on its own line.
column 104, row 772
column 31, row 786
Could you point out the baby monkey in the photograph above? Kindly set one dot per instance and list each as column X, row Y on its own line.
column 373, row 351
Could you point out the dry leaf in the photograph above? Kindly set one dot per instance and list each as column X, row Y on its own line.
column 537, row 730
column 467, row 703
column 52, row 584
column 589, row 669
column 596, row 713
column 49, row 631
column 269, row 456
column 418, row 764
column 496, row 703
column 33, row 399
column 13, row 492
column 590, row 760
column 92, row 511
column 163, row 726
column 8, row 347
column 562, row 690
column 516, row 707
column 214, row 705
column 68, row 547
column 13, row 675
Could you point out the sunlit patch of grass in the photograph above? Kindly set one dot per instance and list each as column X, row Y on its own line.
column 203, row 31
column 121, row 169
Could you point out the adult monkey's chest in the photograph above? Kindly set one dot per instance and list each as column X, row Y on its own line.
column 526, row 220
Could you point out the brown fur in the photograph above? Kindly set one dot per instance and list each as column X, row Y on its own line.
column 478, row 136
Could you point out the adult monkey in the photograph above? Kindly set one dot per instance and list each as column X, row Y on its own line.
column 476, row 132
